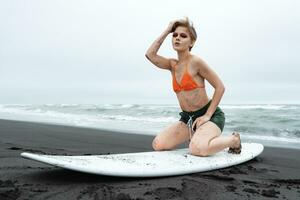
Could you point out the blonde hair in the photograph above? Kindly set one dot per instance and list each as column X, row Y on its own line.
column 189, row 25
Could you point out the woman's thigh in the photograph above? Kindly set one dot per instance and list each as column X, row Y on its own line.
column 171, row 136
column 203, row 135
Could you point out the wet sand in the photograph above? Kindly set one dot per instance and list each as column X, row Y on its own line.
column 275, row 174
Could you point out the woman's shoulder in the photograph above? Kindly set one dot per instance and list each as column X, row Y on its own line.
column 173, row 62
column 196, row 59
column 199, row 64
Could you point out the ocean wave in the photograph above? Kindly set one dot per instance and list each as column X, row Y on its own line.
column 63, row 105
column 270, row 138
column 262, row 107
column 270, row 121
column 138, row 118
column 118, row 106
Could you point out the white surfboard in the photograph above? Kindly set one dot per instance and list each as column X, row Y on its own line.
column 149, row 164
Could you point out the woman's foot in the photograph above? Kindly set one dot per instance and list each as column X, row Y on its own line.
column 237, row 148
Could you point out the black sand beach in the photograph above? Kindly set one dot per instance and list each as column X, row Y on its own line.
column 275, row 174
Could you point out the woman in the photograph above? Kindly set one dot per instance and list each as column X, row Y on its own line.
column 202, row 121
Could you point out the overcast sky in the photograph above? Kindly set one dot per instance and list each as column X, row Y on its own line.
column 93, row 51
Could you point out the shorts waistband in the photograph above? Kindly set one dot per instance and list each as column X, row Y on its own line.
column 199, row 112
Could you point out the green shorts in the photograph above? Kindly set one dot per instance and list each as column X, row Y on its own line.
column 218, row 117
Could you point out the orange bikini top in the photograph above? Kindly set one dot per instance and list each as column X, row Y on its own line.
column 187, row 82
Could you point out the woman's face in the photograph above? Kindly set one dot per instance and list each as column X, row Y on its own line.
column 181, row 39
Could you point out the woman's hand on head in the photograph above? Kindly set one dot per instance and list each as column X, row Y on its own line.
column 171, row 25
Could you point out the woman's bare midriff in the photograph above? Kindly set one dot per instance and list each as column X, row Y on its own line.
column 192, row 100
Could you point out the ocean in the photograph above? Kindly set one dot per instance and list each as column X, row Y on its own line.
column 269, row 124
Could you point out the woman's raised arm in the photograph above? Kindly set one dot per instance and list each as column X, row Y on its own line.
column 151, row 54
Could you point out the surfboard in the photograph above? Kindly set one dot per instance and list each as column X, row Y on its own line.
column 149, row 164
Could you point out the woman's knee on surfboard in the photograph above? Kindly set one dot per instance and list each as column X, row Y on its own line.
column 170, row 137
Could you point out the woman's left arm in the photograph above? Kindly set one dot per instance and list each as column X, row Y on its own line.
column 207, row 73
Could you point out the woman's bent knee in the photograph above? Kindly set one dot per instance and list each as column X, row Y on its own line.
column 156, row 144
column 197, row 149
column 160, row 145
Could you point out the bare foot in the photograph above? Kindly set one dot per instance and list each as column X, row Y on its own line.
column 237, row 139
column 237, row 147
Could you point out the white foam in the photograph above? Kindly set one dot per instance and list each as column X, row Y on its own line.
column 266, row 107
column 68, row 105
column 115, row 106
column 120, row 122
column 270, row 138
column 148, row 119
column 137, row 118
